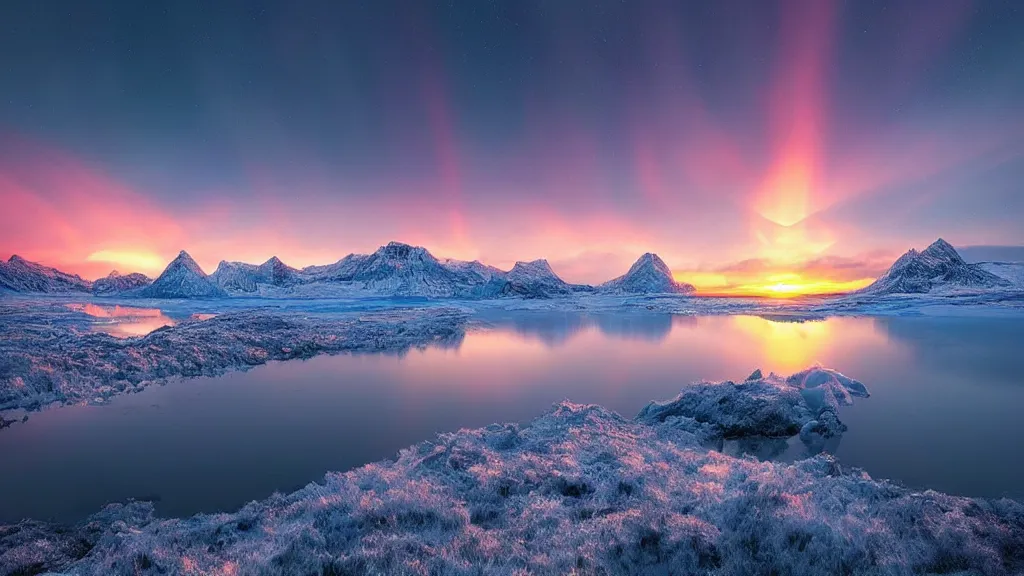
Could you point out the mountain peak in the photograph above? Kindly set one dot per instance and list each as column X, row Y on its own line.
column 184, row 258
column 114, row 274
column 401, row 251
column 539, row 265
column 182, row 278
column 941, row 249
column 650, row 259
column 937, row 267
column 15, row 259
column 648, row 275
column 273, row 261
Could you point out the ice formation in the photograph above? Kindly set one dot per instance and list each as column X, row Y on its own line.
column 762, row 406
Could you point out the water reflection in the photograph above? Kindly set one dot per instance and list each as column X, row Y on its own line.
column 781, row 344
column 123, row 321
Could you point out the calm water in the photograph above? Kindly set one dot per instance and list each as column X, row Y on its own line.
column 945, row 410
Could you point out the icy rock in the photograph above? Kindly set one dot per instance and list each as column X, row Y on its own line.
column 755, row 407
column 772, row 406
column 825, row 425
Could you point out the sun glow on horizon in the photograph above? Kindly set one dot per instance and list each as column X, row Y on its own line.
column 129, row 260
column 781, row 285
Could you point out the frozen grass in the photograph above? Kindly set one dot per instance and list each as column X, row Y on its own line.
column 580, row 490
column 46, row 358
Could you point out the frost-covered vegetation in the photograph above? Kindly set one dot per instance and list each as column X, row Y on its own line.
column 580, row 490
column 46, row 358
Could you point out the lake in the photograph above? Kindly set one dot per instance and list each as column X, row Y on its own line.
column 945, row 409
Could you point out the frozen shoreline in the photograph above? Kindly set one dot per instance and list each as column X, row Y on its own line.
column 48, row 356
column 580, row 488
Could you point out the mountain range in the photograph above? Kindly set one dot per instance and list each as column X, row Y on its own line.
column 398, row 269
column 20, row 275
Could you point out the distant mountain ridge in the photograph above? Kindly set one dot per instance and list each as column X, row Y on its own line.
column 535, row 279
column 20, row 275
column 648, row 275
column 116, row 282
column 398, row 269
column 1012, row 272
column 939, row 268
column 247, row 278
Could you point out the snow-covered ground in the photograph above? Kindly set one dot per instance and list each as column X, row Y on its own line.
column 580, row 490
column 49, row 356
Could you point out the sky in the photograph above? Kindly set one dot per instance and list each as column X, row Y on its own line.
column 744, row 142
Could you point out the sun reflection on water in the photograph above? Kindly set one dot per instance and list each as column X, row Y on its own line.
column 788, row 346
column 123, row 321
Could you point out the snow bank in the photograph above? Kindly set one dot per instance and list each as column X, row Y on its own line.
column 44, row 359
column 580, row 490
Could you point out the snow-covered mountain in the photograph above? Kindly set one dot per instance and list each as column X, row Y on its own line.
column 939, row 268
column 182, row 278
column 535, row 279
column 484, row 271
column 20, row 275
column 402, row 270
column 648, row 275
column 246, row 278
column 342, row 270
column 116, row 283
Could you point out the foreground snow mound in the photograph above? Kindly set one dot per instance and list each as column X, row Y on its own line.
column 44, row 361
column 183, row 278
column 20, row 275
column 578, row 491
column 648, row 275
column 763, row 406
